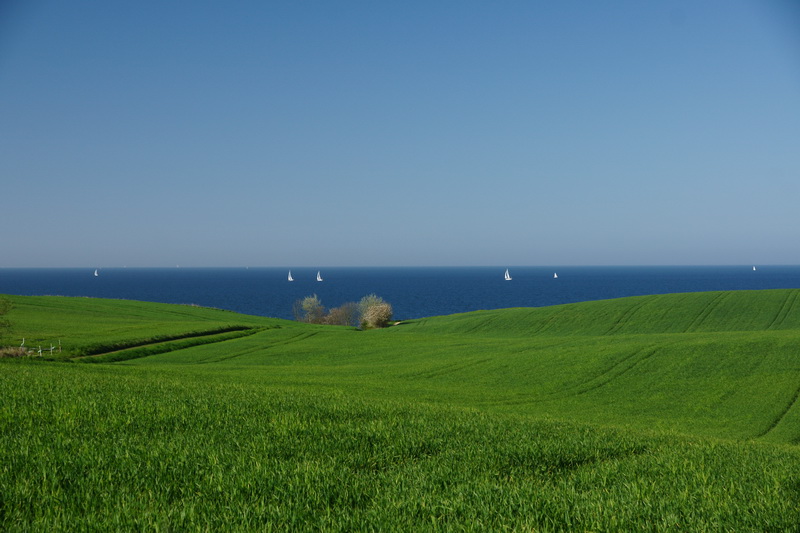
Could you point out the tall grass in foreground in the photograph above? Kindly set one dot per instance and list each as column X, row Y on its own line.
column 101, row 447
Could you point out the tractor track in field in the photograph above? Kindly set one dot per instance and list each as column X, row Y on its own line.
column 450, row 368
column 610, row 375
column 782, row 414
column 291, row 340
column 706, row 312
column 613, row 372
column 199, row 336
column 619, row 369
column 788, row 304
column 625, row 317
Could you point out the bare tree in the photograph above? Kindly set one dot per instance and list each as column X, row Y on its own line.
column 309, row 309
column 344, row 315
column 370, row 312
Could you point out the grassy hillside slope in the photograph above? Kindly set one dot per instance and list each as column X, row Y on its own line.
column 723, row 364
column 91, row 326
column 518, row 418
column 666, row 313
column 717, row 364
column 119, row 447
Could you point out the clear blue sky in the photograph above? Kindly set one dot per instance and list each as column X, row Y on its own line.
column 306, row 133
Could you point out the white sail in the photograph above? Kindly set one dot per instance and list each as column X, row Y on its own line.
column 95, row 273
column 290, row 276
column 507, row 276
column 754, row 268
column 555, row 275
column 319, row 277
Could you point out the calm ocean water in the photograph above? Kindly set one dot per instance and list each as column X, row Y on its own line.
column 413, row 292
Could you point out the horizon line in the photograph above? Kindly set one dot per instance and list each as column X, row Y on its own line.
column 554, row 265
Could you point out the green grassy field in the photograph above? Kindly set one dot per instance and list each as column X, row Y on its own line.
column 654, row 413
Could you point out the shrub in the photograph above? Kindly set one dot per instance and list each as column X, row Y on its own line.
column 13, row 352
column 368, row 301
column 374, row 311
column 377, row 315
column 344, row 315
column 370, row 312
column 309, row 309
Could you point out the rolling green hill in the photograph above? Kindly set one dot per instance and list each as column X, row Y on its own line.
column 669, row 411
column 716, row 364
column 667, row 313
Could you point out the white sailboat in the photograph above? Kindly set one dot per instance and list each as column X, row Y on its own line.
column 290, row 276
column 555, row 275
column 754, row 267
column 319, row 277
column 95, row 273
column 507, row 276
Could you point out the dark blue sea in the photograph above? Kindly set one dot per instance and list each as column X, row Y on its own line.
column 414, row 292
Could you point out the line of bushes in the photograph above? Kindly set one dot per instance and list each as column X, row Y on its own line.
column 371, row 311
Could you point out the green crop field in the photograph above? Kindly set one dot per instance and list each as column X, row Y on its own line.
column 669, row 412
